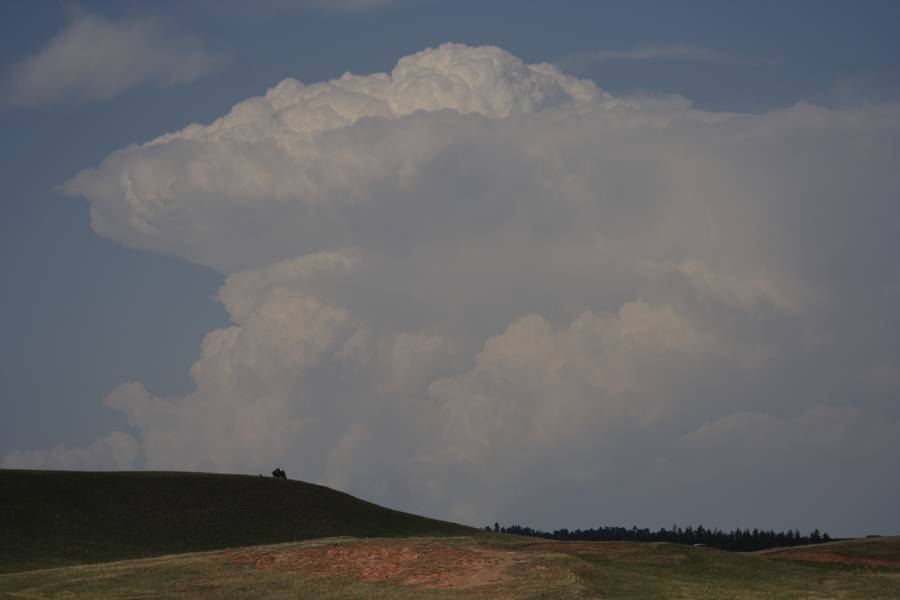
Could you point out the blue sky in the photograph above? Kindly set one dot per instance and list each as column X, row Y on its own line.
column 85, row 313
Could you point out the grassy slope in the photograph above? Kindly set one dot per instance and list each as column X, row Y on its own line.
column 56, row 518
column 555, row 570
column 879, row 548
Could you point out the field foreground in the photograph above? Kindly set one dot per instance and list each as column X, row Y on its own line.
column 198, row 535
column 480, row 567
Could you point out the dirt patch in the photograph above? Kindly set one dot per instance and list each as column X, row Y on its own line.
column 832, row 557
column 425, row 565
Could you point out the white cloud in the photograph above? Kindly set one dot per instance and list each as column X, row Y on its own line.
column 296, row 152
column 676, row 52
column 116, row 450
column 97, row 58
column 735, row 290
column 243, row 413
column 465, row 283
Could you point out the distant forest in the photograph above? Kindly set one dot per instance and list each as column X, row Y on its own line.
column 739, row 540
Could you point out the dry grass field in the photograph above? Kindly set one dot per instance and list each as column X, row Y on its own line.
column 479, row 567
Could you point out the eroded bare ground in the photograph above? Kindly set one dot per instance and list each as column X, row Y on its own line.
column 425, row 564
column 830, row 556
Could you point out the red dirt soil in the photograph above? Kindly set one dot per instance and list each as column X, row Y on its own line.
column 426, row 564
column 832, row 557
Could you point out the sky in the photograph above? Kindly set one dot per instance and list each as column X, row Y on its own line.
column 563, row 264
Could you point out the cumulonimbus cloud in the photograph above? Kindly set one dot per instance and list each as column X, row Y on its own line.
column 97, row 58
column 460, row 285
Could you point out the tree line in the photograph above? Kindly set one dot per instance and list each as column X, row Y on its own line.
column 737, row 540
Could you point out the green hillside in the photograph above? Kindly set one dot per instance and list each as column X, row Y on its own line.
column 55, row 518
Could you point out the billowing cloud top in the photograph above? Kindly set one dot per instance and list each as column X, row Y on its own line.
column 470, row 281
column 286, row 153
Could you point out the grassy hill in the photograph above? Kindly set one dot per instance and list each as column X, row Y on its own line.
column 194, row 535
column 875, row 551
column 56, row 518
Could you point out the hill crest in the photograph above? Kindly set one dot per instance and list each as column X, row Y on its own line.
column 58, row 518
